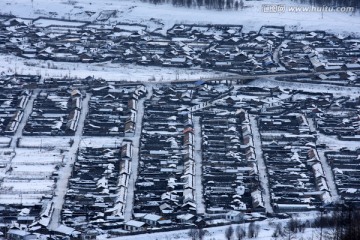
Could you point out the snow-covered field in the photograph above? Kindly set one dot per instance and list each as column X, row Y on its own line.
column 44, row 142
column 165, row 15
column 28, row 178
column 108, row 71
column 97, row 142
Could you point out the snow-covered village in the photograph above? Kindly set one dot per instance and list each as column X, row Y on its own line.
column 179, row 120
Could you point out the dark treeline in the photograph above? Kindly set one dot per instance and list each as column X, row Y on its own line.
column 209, row 4
column 240, row 4
column 341, row 224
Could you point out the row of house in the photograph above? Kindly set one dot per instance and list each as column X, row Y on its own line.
column 230, row 172
column 55, row 113
column 345, row 165
column 296, row 177
column 164, row 194
column 113, row 110
column 12, row 105
column 98, row 187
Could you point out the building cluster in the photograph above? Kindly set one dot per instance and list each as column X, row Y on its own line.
column 97, row 187
column 13, row 100
column 230, row 171
column 55, row 113
column 113, row 110
column 296, row 176
column 272, row 49
column 320, row 51
column 164, row 190
column 190, row 154
column 345, row 165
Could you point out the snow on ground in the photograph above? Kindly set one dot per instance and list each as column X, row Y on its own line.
column 333, row 143
column 309, row 87
column 6, row 156
column 29, row 185
column 99, row 142
column 108, row 71
column 28, row 178
column 32, row 169
column 25, row 199
column 5, row 141
column 200, row 206
column 48, row 22
column 44, row 142
column 135, row 11
column 27, row 112
column 36, row 156
column 217, row 233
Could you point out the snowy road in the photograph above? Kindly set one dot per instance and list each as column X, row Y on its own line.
column 261, row 164
column 27, row 112
column 62, row 183
column 135, row 159
column 199, row 197
column 20, row 128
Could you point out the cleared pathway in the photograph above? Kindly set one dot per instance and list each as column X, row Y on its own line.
column 135, row 159
column 199, row 197
column 27, row 112
column 261, row 164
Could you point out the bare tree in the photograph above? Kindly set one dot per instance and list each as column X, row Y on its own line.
column 201, row 233
column 229, row 232
column 240, row 232
column 279, row 231
column 251, row 230
column 198, row 233
column 193, row 233
column 241, row 4
column 257, row 230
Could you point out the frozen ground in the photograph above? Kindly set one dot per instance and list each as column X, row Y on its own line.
column 135, row 11
column 5, row 141
column 44, row 142
column 108, row 71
